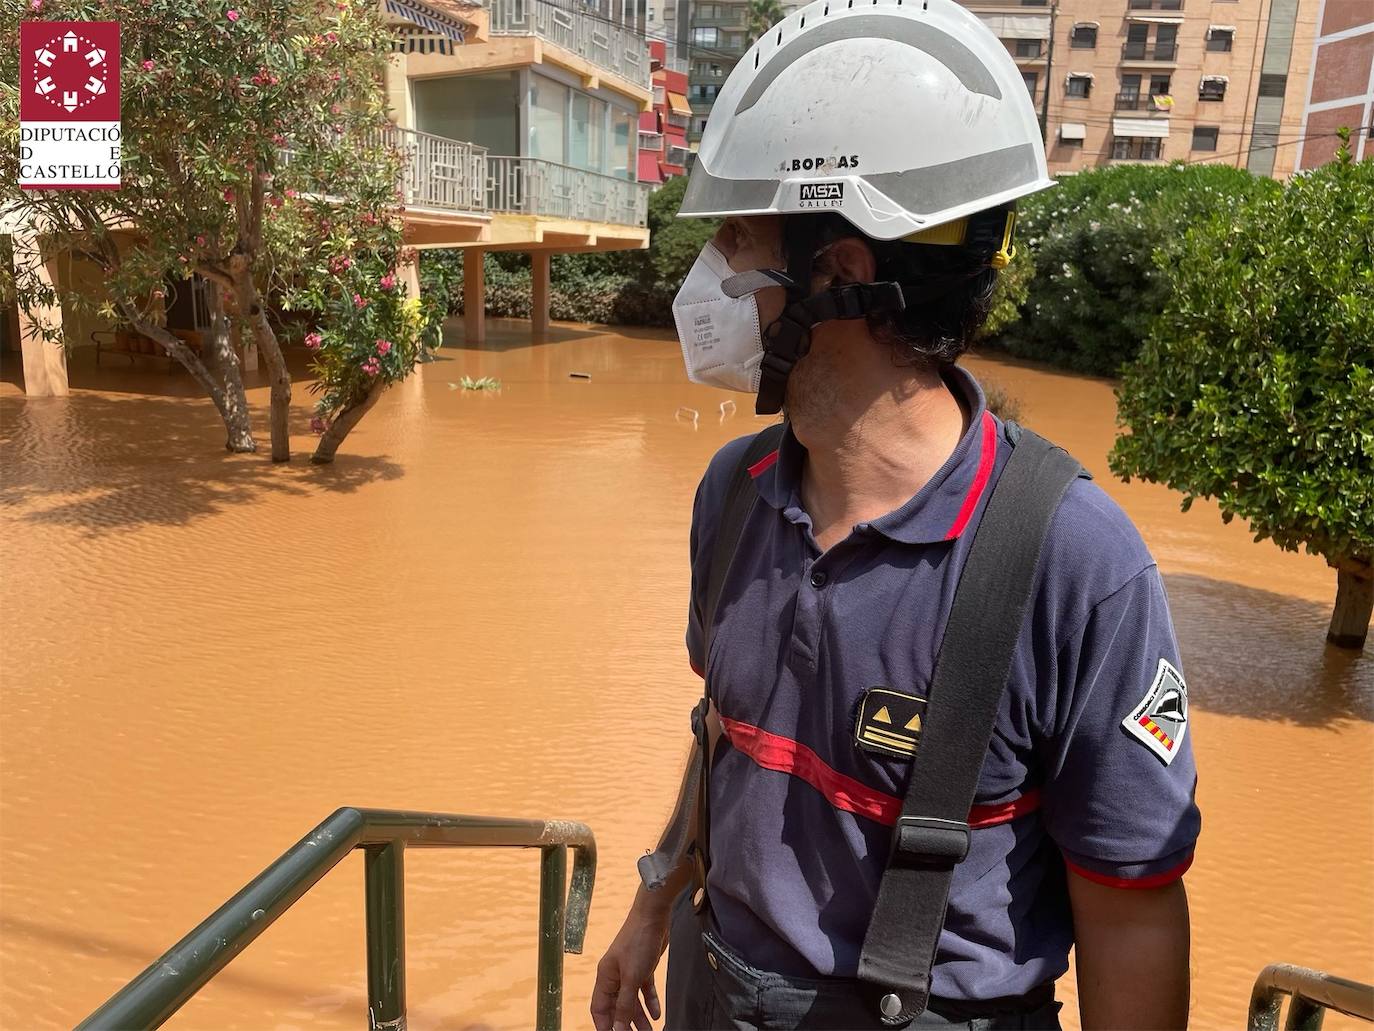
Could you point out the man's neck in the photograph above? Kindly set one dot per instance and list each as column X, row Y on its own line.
column 866, row 458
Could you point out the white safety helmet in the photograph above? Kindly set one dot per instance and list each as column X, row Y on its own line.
column 899, row 116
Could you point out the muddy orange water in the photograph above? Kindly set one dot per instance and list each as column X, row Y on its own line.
column 479, row 609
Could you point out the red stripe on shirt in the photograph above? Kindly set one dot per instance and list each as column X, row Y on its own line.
column 783, row 755
column 763, row 464
column 1154, row 880
column 986, row 458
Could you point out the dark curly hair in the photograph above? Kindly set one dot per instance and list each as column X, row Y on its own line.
column 948, row 288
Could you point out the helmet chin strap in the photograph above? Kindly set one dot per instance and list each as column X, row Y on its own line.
column 788, row 338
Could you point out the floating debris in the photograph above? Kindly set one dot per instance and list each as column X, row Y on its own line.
column 579, row 375
column 695, row 415
column 727, row 408
column 485, row 383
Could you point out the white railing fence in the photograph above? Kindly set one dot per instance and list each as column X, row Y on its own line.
column 533, row 187
column 570, row 25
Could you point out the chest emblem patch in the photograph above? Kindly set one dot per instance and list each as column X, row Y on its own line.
column 889, row 722
column 1161, row 719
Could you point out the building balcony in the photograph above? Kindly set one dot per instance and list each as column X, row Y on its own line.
column 1154, row 5
column 439, row 173
column 1159, row 103
column 564, row 23
column 530, row 186
column 1148, row 52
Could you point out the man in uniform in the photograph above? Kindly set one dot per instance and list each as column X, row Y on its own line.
column 866, row 160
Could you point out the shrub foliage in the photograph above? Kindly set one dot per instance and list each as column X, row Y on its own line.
column 1256, row 386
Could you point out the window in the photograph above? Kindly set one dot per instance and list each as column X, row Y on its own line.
column 706, row 36
column 1031, row 79
column 1083, row 37
column 1213, row 88
column 651, row 14
column 1165, row 40
column 677, row 156
column 1028, row 47
column 1219, row 40
column 1205, row 137
column 1136, row 148
column 1079, row 86
column 705, row 92
column 1273, row 85
column 1128, row 98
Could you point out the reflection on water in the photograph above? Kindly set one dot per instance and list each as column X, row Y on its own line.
column 479, row 609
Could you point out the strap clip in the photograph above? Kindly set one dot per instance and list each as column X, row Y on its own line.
column 927, row 841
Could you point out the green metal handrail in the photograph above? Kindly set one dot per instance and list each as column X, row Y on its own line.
column 383, row 835
column 1313, row 994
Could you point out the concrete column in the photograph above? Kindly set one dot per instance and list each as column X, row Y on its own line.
column 45, row 362
column 539, row 308
column 474, row 297
column 410, row 278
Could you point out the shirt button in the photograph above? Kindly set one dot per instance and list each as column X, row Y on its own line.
column 818, row 579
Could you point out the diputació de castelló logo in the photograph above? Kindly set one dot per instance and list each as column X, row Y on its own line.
column 69, row 126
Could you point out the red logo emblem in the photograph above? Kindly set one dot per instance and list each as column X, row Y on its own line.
column 69, row 71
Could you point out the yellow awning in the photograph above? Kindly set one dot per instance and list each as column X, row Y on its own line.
column 679, row 104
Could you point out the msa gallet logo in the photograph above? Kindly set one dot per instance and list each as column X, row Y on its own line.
column 822, row 195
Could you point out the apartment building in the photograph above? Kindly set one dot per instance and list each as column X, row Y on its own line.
column 1162, row 80
column 1340, row 88
column 519, row 121
column 663, row 149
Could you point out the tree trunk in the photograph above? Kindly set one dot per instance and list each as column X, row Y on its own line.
column 342, row 423
column 1354, row 606
column 251, row 311
column 227, row 395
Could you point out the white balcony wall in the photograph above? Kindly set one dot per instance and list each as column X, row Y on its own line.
column 483, row 109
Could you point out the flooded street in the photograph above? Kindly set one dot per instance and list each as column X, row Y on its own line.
column 479, row 609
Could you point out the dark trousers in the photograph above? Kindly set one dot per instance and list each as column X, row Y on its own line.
column 710, row 988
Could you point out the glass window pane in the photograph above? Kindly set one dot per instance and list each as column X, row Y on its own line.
column 548, row 104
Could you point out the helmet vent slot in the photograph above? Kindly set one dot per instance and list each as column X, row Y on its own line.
column 756, row 59
column 780, row 37
column 803, row 22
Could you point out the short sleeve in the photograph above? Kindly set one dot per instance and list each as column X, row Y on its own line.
column 1119, row 791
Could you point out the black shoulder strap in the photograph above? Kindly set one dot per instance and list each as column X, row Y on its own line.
column 740, row 497
column 932, row 833
column 739, row 500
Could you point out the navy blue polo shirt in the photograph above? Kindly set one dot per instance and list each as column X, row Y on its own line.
column 1089, row 766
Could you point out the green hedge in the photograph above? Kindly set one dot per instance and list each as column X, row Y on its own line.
column 1095, row 287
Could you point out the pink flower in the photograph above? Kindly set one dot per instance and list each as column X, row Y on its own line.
column 147, row 65
column 36, row 5
column 332, row 37
column 292, row 194
column 232, row 15
column 383, row 347
column 276, row 202
column 313, row 341
column 359, row 301
column 388, row 281
column 279, row 139
column 317, row 425
column 200, row 241
column 229, row 196
column 372, row 366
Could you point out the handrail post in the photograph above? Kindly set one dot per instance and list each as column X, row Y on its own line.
column 384, row 874
column 553, row 875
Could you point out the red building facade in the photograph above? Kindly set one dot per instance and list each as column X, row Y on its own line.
column 663, row 130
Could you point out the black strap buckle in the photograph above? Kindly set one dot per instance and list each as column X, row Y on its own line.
column 928, row 841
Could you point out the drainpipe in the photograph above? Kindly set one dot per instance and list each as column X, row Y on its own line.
column 1049, row 78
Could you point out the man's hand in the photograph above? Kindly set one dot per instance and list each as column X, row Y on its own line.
column 1131, row 955
column 627, row 970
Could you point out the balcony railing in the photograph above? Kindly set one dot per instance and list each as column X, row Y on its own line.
column 440, row 172
column 1144, row 102
column 1155, row 5
column 1134, row 51
column 436, row 172
column 567, row 24
column 529, row 186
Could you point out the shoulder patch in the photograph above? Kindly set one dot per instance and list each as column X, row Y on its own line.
column 1161, row 719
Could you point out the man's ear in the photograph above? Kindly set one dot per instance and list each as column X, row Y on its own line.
column 848, row 260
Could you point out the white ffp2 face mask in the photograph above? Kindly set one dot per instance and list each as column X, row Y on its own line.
column 722, row 342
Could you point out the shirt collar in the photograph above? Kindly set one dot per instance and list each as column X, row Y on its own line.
column 940, row 511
